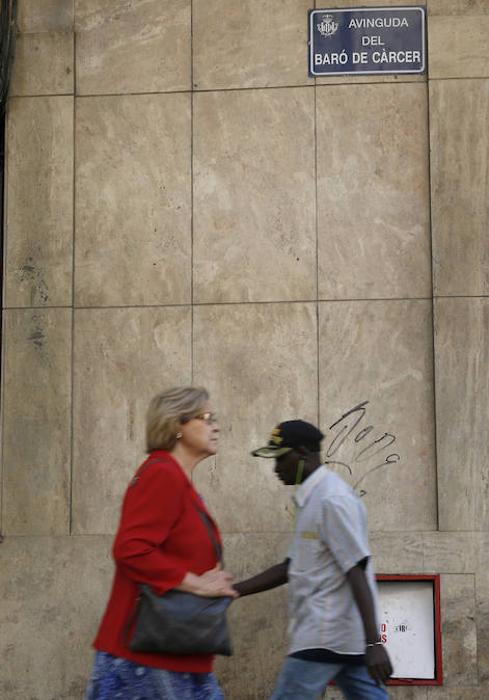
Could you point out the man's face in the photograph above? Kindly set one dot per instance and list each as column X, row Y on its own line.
column 286, row 467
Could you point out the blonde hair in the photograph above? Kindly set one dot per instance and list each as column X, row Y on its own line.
column 167, row 410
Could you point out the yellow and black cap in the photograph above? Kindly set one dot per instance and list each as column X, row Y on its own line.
column 288, row 436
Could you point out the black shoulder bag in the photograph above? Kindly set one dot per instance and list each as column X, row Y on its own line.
column 179, row 622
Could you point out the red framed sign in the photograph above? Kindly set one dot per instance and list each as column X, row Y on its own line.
column 410, row 625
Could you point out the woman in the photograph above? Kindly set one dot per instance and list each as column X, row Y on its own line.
column 162, row 542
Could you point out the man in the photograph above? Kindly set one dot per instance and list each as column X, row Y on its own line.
column 332, row 592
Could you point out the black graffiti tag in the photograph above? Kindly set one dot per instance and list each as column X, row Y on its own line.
column 345, row 428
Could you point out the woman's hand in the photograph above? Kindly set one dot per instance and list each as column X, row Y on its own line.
column 214, row 583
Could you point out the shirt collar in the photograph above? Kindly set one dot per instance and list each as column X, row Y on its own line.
column 307, row 487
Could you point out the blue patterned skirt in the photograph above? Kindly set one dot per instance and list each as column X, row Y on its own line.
column 118, row 679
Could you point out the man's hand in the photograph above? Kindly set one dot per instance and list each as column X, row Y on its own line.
column 378, row 663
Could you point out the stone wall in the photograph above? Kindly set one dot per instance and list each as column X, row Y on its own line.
column 184, row 204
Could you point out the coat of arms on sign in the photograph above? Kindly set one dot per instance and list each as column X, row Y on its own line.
column 327, row 26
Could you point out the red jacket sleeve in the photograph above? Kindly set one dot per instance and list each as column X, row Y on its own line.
column 152, row 504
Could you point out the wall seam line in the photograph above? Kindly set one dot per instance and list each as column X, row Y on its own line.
column 430, row 210
column 243, row 88
column 72, row 372
column 191, row 192
column 164, row 305
column 3, row 319
column 316, row 214
column 318, row 370
column 259, row 533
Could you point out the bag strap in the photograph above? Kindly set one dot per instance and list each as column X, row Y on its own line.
column 141, row 471
column 208, row 526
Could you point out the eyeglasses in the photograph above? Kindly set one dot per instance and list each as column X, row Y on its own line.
column 209, row 417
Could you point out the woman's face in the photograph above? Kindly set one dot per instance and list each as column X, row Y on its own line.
column 201, row 434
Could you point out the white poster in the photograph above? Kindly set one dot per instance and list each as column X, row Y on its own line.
column 408, row 627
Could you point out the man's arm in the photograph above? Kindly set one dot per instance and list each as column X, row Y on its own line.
column 376, row 657
column 270, row 578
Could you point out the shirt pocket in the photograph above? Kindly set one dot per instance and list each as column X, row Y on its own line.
column 307, row 554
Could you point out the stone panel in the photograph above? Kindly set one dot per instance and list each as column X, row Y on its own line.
column 372, row 79
column 43, row 64
column 127, row 47
column 133, row 195
column 37, row 421
column 53, row 593
column 258, row 623
column 451, row 552
column 437, row 8
column 397, row 552
column 234, row 47
column 254, row 196
column 373, row 213
column 380, row 353
column 457, row 38
column 459, row 636
column 482, row 615
column 123, row 357
column 462, row 390
column 246, row 554
column 482, row 539
column 407, row 693
column 39, row 217
column 259, row 362
column 444, row 693
column 45, row 15
column 459, row 118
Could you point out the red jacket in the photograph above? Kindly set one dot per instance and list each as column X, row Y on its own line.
column 161, row 537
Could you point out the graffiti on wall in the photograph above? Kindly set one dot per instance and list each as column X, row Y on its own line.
column 368, row 447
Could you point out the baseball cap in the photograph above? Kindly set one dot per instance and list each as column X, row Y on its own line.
column 289, row 435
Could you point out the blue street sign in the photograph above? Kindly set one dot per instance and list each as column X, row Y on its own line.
column 367, row 40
